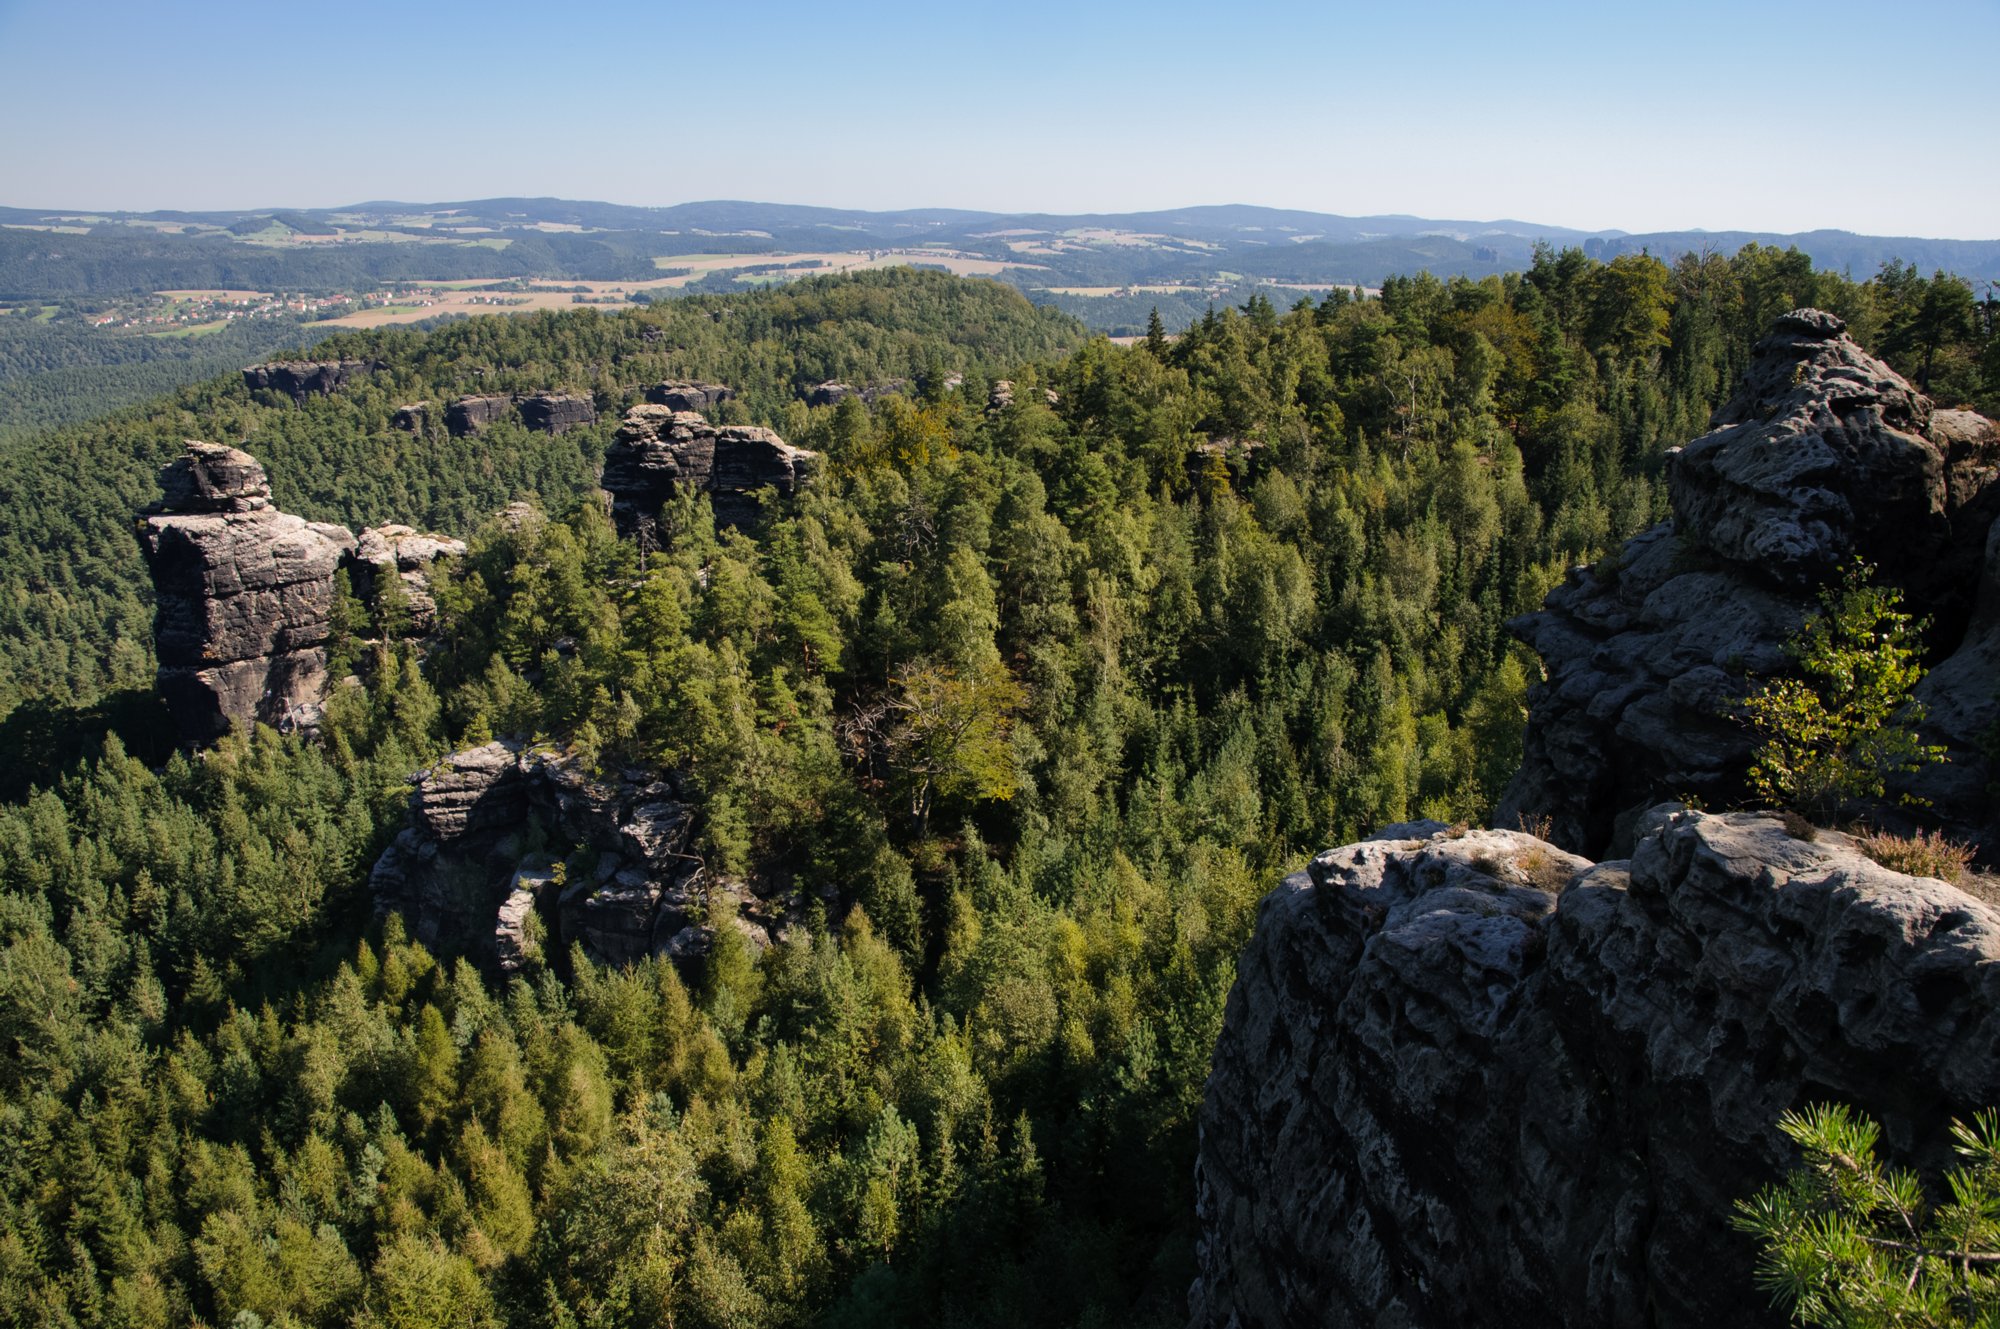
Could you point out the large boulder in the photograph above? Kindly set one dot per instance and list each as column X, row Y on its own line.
column 514, row 852
column 658, row 449
column 244, row 595
column 1823, row 455
column 1467, row 1078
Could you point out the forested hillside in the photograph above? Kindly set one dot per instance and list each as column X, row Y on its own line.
column 59, row 373
column 1029, row 696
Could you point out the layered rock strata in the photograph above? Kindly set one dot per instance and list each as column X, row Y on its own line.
column 681, row 395
column 244, row 596
column 514, row 852
column 300, row 379
column 1823, row 455
column 1466, row 1078
column 658, row 449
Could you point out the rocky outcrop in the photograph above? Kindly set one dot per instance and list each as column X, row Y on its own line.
column 681, row 395
column 300, row 379
column 244, row 596
column 469, row 415
column 1466, row 1078
column 1001, row 395
column 556, row 412
column 832, row 392
column 513, row 853
column 411, row 419
column 658, row 448
column 409, row 556
column 1823, row 455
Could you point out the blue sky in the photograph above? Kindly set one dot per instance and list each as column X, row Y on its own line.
column 1778, row 115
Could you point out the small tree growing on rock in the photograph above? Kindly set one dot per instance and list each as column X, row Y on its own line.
column 1847, row 1242
column 1835, row 734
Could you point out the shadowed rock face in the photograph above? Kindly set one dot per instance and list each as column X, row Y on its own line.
column 556, row 413
column 469, row 415
column 474, row 868
column 300, row 379
column 658, row 448
column 244, row 595
column 1469, row 1079
column 1823, row 455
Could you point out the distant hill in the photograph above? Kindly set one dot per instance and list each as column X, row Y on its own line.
column 1186, row 257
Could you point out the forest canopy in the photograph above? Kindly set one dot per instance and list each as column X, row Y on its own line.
column 1031, row 694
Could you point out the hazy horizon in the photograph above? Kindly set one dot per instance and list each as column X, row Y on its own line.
column 1557, row 114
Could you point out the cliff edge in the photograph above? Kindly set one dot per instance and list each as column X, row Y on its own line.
column 1466, row 1078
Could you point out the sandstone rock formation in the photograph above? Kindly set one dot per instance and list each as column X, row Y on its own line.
column 300, row 379
column 469, row 415
column 831, row 392
column 1465, row 1078
column 244, row 595
column 1824, row 454
column 680, row 395
column 658, row 448
column 556, row 412
column 481, row 869
column 409, row 556
column 411, row 419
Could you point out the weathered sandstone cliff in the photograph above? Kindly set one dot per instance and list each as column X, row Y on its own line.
column 1823, row 455
column 1468, row 1079
column 244, row 595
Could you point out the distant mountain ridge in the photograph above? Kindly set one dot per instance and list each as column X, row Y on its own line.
column 1187, row 257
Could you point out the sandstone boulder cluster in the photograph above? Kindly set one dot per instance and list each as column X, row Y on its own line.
column 244, row 592
column 514, row 852
column 1823, row 455
column 658, row 449
column 1468, row 1078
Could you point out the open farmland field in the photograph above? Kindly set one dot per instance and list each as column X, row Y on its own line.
column 442, row 302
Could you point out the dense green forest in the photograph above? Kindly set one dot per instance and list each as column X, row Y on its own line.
column 1037, row 700
column 111, row 259
column 60, row 372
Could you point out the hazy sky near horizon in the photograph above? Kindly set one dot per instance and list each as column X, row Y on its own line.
column 1783, row 115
